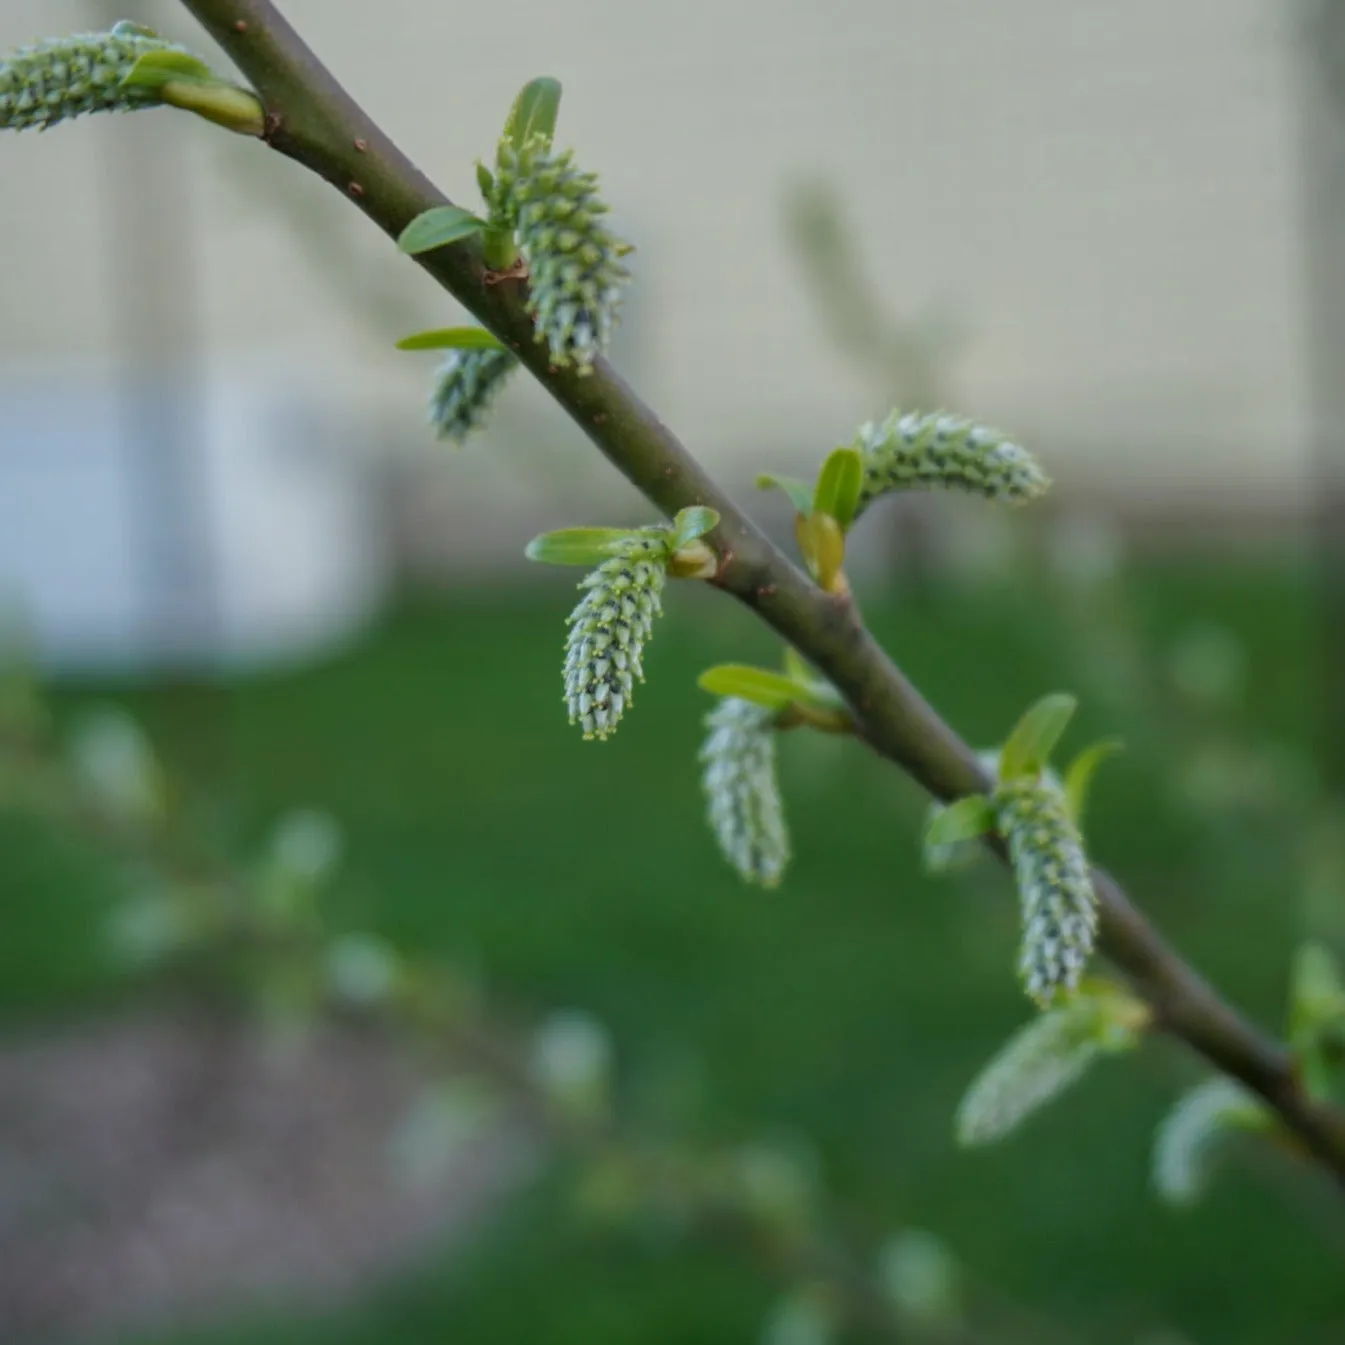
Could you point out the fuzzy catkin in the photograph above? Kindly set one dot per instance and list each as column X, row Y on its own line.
column 465, row 384
column 910, row 450
column 575, row 272
column 609, row 629
column 1038, row 1062
column 1058, row 904
column 744, row 810
column 1189, row 1138
column 65, row 77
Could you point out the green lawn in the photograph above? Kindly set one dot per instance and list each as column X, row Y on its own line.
column 851, row 1006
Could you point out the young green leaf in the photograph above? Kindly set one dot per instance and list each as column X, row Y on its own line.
column 1035, row 735
column 485, row 181
column 964, row 820
column 1316, row 1015
column 823, row 546
column 156, row 68
column 437, row 228
column 799, row 492
column 577, row 546
column 761, row 686
column 839, row 484
column 451, row 338
column 1317, row 993
column 534, row 112
column 1079, row 775
column 693, row 523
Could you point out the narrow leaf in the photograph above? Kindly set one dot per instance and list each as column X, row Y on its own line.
column 576, row 546
column 758, row 685
column 534, row 112
column 964, row 820
column 938, row 858
column 451, row 338
column 820, row 693
column 1079, row 775
column 693, row 523
column 1316, row 1013
column 437, row 228
column 823, row 546
column 485, row 180
column 799, row 492
column 839, row 484
column 1035, row 735
column 156, row 68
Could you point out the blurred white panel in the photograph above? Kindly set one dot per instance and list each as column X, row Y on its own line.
column 1106, row 196
column 248, row 531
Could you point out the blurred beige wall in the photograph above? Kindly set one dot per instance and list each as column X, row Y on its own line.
column 1105, row 196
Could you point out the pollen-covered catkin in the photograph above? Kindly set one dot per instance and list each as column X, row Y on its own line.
column 575, row 271
column 465, row 384
column 65, row 77
column 744, row 810
column 910, row 450
column 610, row 628
column 1059, row 909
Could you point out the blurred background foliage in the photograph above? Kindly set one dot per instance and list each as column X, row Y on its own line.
column 847, row 1010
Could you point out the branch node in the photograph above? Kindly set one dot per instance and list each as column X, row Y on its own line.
column 517, row 271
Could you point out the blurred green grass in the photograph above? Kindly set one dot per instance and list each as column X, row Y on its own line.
column 851, row 1007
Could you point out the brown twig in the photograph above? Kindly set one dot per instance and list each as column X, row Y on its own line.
column 313, row 120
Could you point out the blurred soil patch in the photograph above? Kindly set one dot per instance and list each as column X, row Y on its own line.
column 168, row 1171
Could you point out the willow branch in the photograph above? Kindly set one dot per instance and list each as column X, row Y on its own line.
column 313, row 120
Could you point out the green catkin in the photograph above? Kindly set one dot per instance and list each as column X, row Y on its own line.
column 1040, row 1061
column 609, row 629
column 575, row 271
column 66, row 77
column 1188, row 1140
column 911, row 450
column 745, row 811
column 1058, row 904
column 465, row 384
